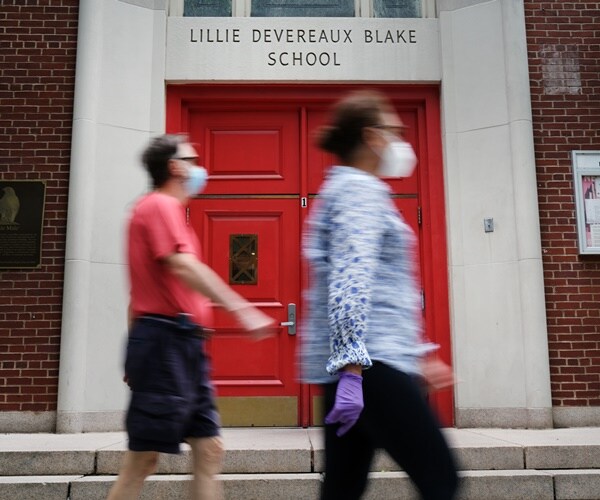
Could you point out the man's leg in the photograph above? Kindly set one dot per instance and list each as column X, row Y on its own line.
column 207, row 456
column 137, row 466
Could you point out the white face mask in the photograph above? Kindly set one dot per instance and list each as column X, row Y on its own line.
column 397, row 160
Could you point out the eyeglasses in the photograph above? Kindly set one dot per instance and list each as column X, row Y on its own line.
column 394, row 129
column 190, row 159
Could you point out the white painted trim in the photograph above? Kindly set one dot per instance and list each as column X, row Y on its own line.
column 527, row 222
column 366, row 8
column 361, row 8
column 506, row 382
column 73, row 346
column 429, row 8
column 240, row 8
column 175, row 8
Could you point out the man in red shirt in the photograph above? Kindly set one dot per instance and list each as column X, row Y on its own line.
column 171, row 289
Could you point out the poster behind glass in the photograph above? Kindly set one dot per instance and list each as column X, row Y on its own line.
column 586, row 175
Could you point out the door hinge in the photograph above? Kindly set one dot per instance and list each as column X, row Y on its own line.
column 304, row 202
column 187, row 215
column 422, row 299
column 419, row 216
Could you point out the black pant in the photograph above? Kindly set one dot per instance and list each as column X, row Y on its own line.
column 397, row 418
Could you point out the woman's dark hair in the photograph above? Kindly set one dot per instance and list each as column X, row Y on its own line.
column 157, row 154
column 360, row 109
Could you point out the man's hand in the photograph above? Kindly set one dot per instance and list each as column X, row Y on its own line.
column 254, row 321
column 437, row 374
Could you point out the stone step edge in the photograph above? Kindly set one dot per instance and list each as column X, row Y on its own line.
column 500, row 485
column 300, row 475
column 101, row 462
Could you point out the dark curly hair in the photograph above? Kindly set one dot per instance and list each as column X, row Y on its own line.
column 157, row 154
column 360, row 109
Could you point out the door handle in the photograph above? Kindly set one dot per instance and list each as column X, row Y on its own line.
column 291, row 320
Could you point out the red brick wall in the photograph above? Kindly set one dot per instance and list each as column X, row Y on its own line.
column 38, row 41
column 564, row 61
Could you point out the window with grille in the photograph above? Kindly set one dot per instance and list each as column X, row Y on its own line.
column 304, row 8
column 243, row 259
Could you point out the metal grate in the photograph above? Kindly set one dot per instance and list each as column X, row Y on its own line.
column 243, row 259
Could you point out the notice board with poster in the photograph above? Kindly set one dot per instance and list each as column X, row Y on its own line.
column 586, row 176
column 21, row 220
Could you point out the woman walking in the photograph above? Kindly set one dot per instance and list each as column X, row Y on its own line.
column 362, row 335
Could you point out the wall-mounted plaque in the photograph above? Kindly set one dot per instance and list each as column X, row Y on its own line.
column 586, row 176
column 21, row 221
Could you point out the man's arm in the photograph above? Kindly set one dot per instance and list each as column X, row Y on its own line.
column 201, row 278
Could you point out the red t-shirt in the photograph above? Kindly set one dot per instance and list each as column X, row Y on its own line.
column 157, row 229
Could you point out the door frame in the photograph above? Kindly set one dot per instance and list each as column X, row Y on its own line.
column 430, row 183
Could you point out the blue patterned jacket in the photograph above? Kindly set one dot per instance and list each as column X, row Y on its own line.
column 363, row 302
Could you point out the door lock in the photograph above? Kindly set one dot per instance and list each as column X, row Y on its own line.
column 291, row 320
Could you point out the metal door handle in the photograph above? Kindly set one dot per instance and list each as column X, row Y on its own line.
column 291, row 322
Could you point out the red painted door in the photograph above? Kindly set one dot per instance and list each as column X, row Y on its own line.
column 249, row 222
column 254, row 245
column 256, row 143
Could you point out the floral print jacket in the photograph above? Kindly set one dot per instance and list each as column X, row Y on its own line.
column 363, row 302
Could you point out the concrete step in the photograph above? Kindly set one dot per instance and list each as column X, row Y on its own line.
column 277, row 450
column 275, row 463
column 474, row 485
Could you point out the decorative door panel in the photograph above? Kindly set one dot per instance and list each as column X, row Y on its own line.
column 253, row 244
column 247, row 151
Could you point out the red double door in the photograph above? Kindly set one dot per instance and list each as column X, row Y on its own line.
column 256, row 142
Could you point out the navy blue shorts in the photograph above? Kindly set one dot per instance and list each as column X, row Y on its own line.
column 172, row 396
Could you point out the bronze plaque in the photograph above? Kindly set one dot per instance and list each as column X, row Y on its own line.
column 21, row 221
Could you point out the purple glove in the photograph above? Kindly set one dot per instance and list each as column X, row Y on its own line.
column 348, row 402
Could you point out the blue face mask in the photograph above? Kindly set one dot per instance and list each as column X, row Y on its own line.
column 196, row 180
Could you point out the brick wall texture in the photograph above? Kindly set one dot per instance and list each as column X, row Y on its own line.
column 38, row 42
column 37, row 72
column 563, row 40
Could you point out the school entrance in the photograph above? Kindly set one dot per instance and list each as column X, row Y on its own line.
column 256, row 143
